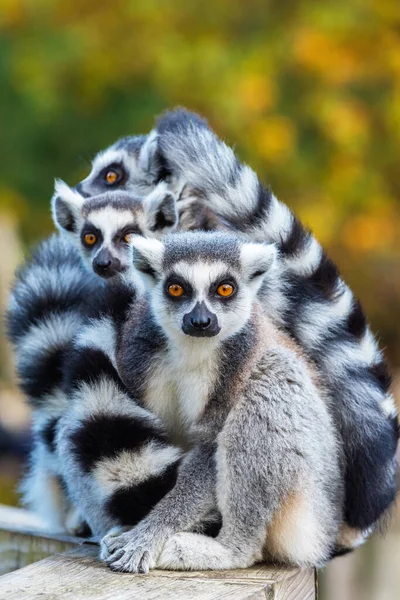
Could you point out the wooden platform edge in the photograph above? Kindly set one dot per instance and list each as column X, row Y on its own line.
column 55, row 567
column 24, row 540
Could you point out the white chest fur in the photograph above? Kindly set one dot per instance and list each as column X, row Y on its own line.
column 180, row 386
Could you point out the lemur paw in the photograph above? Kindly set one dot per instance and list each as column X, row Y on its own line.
column 134, row 551
column 106, row 543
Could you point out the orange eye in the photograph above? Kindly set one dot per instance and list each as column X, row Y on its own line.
column 127, row 238
column 90, row 239
column 111, row 177
column 225, row 290
column 175, row 290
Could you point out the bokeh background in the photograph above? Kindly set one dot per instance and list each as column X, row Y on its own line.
column 307, row 92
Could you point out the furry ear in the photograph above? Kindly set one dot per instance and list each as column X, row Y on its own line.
column 66, row 205
column 147, row 255
column 160, row 209
column 257, row 260
column 147, row 158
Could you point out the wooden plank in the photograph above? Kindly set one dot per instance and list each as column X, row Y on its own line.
column 303, row 585
column 18, row 550
column 71, row 571
column 78, row 575
column 23, row 539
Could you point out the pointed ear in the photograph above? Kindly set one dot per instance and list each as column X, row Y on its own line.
column 147, row 158
column 147, row 255
column 160, row 210
column 66, row 205
column 257, row 260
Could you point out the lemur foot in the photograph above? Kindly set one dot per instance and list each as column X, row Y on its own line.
column 196, row 552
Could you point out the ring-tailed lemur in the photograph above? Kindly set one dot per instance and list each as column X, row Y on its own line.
column 316, row 307
column 209, row 362
column 134, row 164
column 101, row 226
column 114, row 455
column 53, row 297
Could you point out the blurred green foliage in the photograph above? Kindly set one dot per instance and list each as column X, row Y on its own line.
column 308, row 92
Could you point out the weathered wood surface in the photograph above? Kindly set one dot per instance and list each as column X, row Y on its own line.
column 23, row 539
column 77, row 574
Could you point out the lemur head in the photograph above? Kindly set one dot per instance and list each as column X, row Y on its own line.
column 131, row 164
column 101, row 226
column 136, row 163
column 202, row 285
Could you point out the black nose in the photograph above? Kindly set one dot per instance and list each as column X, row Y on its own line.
column 106, row 265
column 102, row 265
column 200, row 322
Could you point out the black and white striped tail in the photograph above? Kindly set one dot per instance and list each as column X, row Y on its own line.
column 312, row 302
column 48, row 303
column 117, row 461
column 49, row 300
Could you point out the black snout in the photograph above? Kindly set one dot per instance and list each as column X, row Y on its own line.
column 200, row 322
column 79, row 188
column 105, row 264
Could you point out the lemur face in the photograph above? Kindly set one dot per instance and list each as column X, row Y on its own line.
column 101, row 226
column 133, row 165
column 203, row 285
column 130, row 165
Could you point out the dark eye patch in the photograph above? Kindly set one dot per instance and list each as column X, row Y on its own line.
column 88, row 228
column 227, row 278
column 187, row 288
column 120, row 171
column 131, row 229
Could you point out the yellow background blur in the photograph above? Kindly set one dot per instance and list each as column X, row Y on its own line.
column 307, row 92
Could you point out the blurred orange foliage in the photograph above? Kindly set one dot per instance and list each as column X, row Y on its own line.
column 308, row 92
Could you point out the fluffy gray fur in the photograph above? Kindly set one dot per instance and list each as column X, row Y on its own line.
column 49, row 301
column 314, row 304
column 111, row 218
column 262, row 445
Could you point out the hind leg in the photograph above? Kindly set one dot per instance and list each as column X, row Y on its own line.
column 294, row 536
column 276, row 459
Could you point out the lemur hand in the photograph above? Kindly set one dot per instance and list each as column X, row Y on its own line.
column 133, row 551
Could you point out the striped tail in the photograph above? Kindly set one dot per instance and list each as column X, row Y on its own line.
column 51, row 295
column 313, row 303
column 116, row 460
column 50, row 298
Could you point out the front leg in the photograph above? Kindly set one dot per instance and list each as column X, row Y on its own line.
column 192, row 497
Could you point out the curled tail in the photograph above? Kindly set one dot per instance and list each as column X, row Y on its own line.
column 50, row 297
column 116, row 462
column 313, row 303
column 49, row 300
